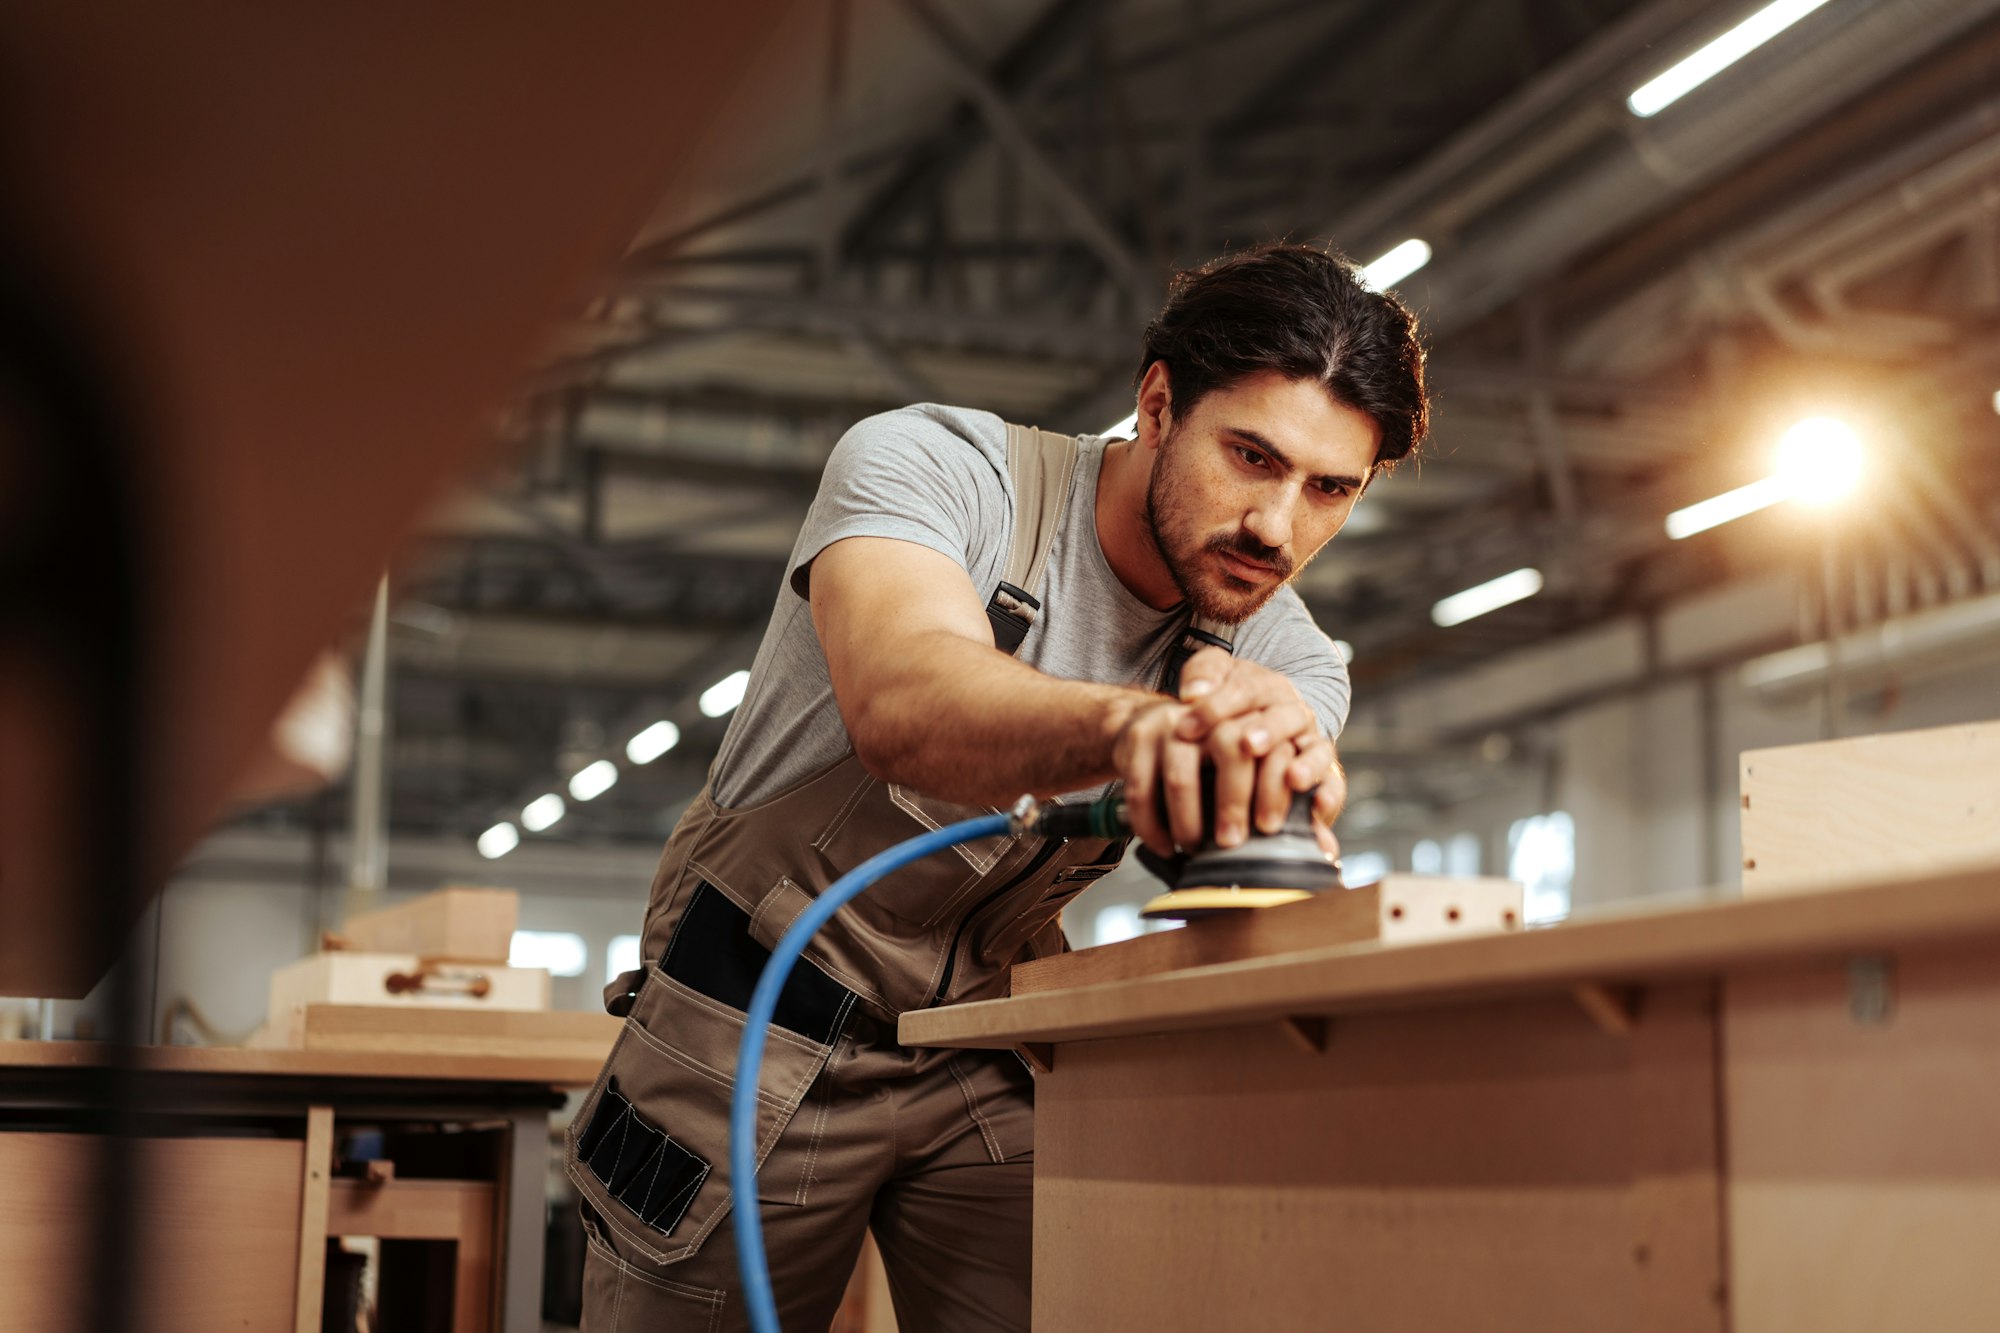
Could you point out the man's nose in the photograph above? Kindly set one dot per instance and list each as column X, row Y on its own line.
column 1270, row 521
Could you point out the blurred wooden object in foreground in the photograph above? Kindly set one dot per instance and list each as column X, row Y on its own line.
column 295, row 259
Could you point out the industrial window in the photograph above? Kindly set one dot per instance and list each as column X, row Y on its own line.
column 561, row 951
column 1427, row 858
column 1541, row 854
column 1461, row 854
column 1358, row 868
column 622, row 956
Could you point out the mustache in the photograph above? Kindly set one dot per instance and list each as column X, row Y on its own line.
column 1247, row 546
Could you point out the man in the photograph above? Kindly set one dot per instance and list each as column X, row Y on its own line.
column 1273, row 388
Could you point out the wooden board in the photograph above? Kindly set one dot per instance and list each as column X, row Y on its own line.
column 1501, row 1168
column 365, row 979
column 1398, row 909
column 1705, row 937
column 214, row 1239
column 1864, row 1159
column 1905, row 802
column 576, row 1066
column 475, row 925
column 564, row 1035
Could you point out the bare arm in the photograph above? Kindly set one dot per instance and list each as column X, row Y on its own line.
column 930, row 703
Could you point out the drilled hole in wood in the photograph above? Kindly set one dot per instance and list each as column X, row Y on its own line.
column 1396, row 913
column 1749, row 863
column 1507, row 917
column 1746, row 800
column 1451, row 914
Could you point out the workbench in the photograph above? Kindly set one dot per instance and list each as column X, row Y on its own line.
column 1717, row 1114
column 237, row 1199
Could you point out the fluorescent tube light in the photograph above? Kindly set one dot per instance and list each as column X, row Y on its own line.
column 725, row 694
column 1720, row 509
column 1659, row 93
column 1488, row 596
column 541, row 812
column 593, row 780
column 1396, row 265
column 653, row 742
column 499, row 840
column 1819, row 459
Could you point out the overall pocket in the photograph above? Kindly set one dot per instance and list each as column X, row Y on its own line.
column 649, row 1148
column 925, row 892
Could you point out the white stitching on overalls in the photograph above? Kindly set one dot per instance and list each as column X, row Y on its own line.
column 972, row 1105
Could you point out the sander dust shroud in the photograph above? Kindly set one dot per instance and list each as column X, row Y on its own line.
column 1262, row 871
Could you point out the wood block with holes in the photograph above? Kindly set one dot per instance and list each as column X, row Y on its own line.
column 1907, row 802
column 476, row 925
column 1400, row 909
column 404, row 980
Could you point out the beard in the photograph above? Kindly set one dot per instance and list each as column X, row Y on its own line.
column 1209, row 587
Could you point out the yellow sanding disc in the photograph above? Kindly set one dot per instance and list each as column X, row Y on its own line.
column 1186, row 904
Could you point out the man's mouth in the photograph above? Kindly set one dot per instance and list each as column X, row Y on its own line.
column 1246, row 568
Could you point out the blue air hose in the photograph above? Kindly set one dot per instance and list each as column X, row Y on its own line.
column 749, row 1224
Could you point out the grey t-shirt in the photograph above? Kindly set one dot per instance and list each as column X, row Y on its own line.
column 937, row 476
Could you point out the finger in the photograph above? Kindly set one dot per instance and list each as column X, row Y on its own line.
column 1140, row 770
column 1235, row 783
column 1274, row 793
column 1202, row 672
column 1331, row 794
column 1313, row 764
column 1287, row 722
column 1180, row 766
column 1324, row 833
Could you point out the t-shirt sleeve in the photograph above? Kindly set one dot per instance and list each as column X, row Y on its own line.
column 913, row 475
column 1284, row 638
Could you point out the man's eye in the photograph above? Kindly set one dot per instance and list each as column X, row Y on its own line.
column 1333, row 488
column 1250, row 456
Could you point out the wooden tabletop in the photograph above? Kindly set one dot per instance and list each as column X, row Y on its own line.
column 551, row 1071
column 1616, row 947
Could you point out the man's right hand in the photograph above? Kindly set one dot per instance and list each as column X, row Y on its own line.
column 1161, row 770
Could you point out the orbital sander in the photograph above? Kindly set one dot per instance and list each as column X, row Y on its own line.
column 1264, row 870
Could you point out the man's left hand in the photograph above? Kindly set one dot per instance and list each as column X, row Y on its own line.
column 1243, row 705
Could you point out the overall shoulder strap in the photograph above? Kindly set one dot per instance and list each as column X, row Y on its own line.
column 1041, row 464
column 1201, row 632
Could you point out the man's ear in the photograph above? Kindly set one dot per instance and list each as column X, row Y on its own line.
column 1156, row 405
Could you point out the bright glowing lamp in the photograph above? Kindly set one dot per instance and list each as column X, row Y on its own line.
column 498, row 841
column 1819, row 459
column 542, row 812
column 725, row 694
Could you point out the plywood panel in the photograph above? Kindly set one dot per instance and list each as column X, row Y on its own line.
column 1864, row 1156
column 1906, row 802
column 1506, row 1168
column 214, row 1241
column 1398, row 909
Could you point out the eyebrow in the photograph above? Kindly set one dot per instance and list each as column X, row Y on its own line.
column 1275, row 452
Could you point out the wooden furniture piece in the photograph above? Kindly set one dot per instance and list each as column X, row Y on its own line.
column 1870, row 805
column 1767, row 1115
column 464, row 924
column 234, row 1200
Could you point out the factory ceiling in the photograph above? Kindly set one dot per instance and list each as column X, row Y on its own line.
column 980, row 204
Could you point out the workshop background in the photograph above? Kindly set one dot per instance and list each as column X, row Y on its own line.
column 1630, row 304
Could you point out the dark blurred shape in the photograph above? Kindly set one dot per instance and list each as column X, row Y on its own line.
column 296, row 256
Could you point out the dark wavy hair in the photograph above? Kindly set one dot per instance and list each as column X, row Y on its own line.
column 1302, row 312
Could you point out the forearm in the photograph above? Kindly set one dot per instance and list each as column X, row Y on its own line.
column 958, row 720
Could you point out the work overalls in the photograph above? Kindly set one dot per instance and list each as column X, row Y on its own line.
column 933, row 1149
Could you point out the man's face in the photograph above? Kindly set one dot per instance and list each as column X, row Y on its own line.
column 1247, row 487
